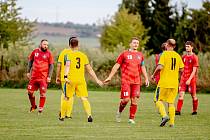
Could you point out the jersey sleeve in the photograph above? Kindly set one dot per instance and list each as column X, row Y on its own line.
column 181, row 63
column 195, row 61
column 60, row 57
column 86, row 59
column 31, row 56
column 142, row 61
column 162, row 60
column 120, row 58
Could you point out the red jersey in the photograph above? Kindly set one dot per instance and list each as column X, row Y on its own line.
column 190, row 61
column 157, row 58
column 41, row 61
column 130, row 63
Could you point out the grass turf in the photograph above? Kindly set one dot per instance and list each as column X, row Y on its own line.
column 17, row 124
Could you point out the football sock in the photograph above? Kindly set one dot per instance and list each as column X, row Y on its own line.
column 87, row 107
column 195, row 105
column 161, row 108
column 171, row 111
column 69, row 106
column 133, row 108
column 179, row 105
column 63, row 107
column 42, row 102
column 32, row 100
column 122, row 106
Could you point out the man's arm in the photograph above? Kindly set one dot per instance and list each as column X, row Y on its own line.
column 51, row 67
column 112, row 73
column 30, row 64
column 58, row 73
column 191, row 75
column 92, row 73
column 144, row 72
column 157, row 69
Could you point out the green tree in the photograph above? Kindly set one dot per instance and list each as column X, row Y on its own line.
column 12, row 27
column 195, row 26
column 14, row 36
column 119, row 30
column 157, row 16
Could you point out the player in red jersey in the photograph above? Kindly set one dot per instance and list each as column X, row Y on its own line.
column 157, row 57
column 132, row 65
column 40, row 69
column 188, row 78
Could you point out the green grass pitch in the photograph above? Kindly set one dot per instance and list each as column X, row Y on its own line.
column 17, row 124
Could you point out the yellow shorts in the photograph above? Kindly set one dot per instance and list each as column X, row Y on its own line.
column 80, row 89
column 168, row 94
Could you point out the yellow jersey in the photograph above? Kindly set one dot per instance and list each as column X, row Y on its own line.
column 78, row 60
column 169, row 75
column 62, row 60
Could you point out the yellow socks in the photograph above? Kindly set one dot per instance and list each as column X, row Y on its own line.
column 87, row 107
column 171, row 111
column 69, row 106
column 161, row 108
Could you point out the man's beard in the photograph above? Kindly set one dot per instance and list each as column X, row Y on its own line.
column 44, row 50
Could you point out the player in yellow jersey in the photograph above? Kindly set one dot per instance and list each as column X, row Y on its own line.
column 169, row 65
column 74, row 74
column 60, row 80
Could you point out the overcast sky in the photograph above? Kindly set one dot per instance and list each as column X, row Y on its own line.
column 76, row 11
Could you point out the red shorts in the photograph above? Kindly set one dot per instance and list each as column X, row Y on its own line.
column 130, row 90
column 191, row 88
column 35, row 84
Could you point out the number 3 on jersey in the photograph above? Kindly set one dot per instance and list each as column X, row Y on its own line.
column 78, row 63
column 173, row 63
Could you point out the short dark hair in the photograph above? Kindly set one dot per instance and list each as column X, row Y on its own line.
column 43, row 40
column 190, row 43
column 134, row 38
column 163, row 46
column 73, row 41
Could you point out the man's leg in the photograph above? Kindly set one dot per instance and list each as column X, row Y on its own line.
column 180, row 103
column 43, row 90
column 192, row 90
column 69, row 107
column 31, row 88
column 133, row 109
column 171, row 111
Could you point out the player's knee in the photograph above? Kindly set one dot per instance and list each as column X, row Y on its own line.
column 30, row 92
column 42, row 94
column 126, row 100
column 84, row 98
column 181, row 95
column 194, row 97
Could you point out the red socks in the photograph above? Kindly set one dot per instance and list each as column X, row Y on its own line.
column 179, row 105
column 122, row 106
column 133, row 109
column 195, row 105
column 41, row 103
column 32, row 100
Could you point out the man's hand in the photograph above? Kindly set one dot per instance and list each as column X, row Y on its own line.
column 147, row 82
column 152, row 77
column 107, row 80
column 28, row 75
column 188, row 82
column 58, row 80
column 67, row 81
column 48, row 79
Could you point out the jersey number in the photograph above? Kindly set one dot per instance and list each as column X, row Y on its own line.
column 173, row 63
column 78, row 63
